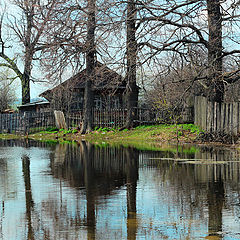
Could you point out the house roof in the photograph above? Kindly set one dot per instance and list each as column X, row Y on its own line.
column 40, row 102
column 105, row 79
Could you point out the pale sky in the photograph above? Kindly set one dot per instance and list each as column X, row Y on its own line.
column 36, row 88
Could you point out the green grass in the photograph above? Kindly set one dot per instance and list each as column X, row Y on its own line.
column 141, row 136
column 163, row 132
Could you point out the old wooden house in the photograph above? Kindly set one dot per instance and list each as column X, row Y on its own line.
column 108, row 88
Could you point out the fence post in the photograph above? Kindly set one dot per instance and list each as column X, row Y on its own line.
column 235, row 118
column 215, row 108
column 227, row 118
column 0, row 123
column 60, row 120
column 231, row 118
column 25, row 123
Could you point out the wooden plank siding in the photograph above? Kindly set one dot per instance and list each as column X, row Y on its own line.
column 217, row 117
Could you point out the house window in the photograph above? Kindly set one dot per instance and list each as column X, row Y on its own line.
column 98, row 102
column 115, row 103
column 106, row 102
column 77, row 103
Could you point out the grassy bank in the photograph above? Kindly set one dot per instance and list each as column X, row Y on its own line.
column 185, row 133
column 160, row 133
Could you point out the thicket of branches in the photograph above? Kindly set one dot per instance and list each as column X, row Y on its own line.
column 7, row 92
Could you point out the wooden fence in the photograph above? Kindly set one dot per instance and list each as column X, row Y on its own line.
column 26, row 123
column 217, row 117
column 30, row 122
column 114, row 117
column 34, row 122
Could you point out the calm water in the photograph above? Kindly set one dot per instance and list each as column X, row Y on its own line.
column 96, row 192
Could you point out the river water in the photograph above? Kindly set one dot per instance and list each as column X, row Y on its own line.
column 85, row 191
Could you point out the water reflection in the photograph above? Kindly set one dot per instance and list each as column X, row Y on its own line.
column 99, row 171
column 28, row 194
column 215, row 207
column 131, row 168
column 84, row 191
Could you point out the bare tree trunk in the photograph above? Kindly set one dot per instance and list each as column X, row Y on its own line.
column 90, row 69
column 26, row 83
column 216, row 86
column 29, row 28
column 29, row 46
column 25, row 90
column 132, row 89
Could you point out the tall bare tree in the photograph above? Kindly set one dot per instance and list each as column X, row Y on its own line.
column 29, row 28
column 131, row 45
column 175, row 26
column 215, row 61
column 90, row 68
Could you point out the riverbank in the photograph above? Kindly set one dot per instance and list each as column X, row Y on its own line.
column 182, row 133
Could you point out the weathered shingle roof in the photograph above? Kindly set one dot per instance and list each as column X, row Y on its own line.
column 40, row 102
column 105, row 79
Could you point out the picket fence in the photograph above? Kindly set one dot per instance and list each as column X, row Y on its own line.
column 26, row 123
column 114, row 117
column 216, row 117
column 30, row 122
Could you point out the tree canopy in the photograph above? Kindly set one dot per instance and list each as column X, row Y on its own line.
column 148, row 38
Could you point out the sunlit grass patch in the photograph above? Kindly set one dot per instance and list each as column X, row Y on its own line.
column 163, row 132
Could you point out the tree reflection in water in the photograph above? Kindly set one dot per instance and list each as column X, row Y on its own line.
column 100, row 171
column 200, row 182
column 103, row 192
column 3, row 179
column 131, row 169
column 215, row 205
column 28, row 194
column 87, row 155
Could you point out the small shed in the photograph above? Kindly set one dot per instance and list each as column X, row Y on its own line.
column 38, row 106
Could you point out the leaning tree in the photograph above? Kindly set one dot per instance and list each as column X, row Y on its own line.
column 23, row 36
